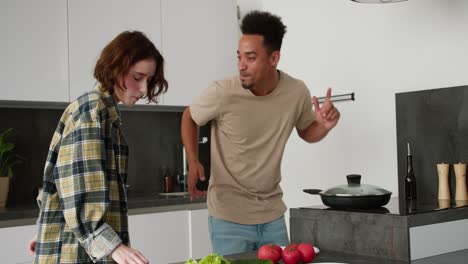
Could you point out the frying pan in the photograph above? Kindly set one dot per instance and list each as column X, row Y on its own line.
column 354, row 195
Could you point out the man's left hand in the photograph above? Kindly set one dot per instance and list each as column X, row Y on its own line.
column 327, row 115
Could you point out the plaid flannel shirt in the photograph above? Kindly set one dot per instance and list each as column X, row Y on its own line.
column 84, row 205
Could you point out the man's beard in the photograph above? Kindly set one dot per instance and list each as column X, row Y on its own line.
column 245, row 86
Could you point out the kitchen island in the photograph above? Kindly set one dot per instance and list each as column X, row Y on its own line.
column 325, row 256
column 386, row 232
column 332, row 256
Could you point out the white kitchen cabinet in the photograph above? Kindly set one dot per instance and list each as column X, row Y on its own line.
column 200, row 244
column 171, row 236
column 93, row 24
column 161, row 237
column 199, row 45
column 34, row 50
column 436, row 239
column 14, row 243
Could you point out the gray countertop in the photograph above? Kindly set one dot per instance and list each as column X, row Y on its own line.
column 331, row 256
column 326, row 256
column 423, row 213
column 27, row 215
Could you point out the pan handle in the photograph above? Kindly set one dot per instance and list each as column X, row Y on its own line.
column 312, row 191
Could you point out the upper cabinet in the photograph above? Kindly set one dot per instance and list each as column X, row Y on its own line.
column 199, row 41
column 34, row 50
column 93, row 24
column 49, row 48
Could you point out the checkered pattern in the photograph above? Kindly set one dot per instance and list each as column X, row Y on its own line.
column 84, row 204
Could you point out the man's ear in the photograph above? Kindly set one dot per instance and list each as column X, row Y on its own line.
column 275, row 57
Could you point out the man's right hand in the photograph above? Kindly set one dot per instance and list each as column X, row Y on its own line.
column 196, row 171
column 125, row 255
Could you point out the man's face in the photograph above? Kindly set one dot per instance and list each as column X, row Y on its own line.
column 254, row 62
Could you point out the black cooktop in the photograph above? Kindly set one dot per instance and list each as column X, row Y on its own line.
column 414, row 208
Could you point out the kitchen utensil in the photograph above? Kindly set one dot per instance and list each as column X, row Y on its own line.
column 443, row 204
column 338, row 98
column 353, row 195
column 461, row 203
column 460, row 182
column 443, row 172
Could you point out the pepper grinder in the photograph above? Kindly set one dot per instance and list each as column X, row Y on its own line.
column 460, row 180
column 443, row 172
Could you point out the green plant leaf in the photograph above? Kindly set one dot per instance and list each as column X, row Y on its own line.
column 7, row 157
column 10, row 173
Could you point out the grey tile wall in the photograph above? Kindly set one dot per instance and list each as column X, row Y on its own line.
column 152, row 133
column 435, row 122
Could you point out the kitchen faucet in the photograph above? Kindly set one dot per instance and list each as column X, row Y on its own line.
column 184, row 170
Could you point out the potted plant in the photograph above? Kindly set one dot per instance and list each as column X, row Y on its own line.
column 7, row 161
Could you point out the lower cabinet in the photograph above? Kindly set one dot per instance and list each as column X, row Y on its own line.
column 14, row 244
column 161, row 237
column 171, row 236
column 166, row 237
column 200, row 244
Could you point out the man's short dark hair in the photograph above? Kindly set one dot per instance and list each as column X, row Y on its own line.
column 267, row 25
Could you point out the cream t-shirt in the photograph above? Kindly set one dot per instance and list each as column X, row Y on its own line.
column 248, row 137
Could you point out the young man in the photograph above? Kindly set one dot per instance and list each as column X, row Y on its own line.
column 252, row 116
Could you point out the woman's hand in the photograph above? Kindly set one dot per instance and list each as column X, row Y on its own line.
column 125, row 255
column 32, row 245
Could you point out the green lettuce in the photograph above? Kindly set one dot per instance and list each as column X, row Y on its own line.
column 209, row 259
column 218, row 259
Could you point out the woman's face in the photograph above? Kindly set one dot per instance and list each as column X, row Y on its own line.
column 134, row 85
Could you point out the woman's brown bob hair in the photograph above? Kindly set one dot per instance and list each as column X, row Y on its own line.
column 125, row 50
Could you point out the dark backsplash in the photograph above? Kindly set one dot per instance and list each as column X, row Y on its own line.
column 435, row 122
column 152, row 134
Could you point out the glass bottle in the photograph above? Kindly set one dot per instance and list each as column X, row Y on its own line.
column 410, row 179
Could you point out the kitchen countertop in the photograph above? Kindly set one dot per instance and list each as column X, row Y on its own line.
column 325, row 256
column 330, row 256
column 27, row 214
column 422, row 213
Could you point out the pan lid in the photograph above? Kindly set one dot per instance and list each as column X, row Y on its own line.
column 355, row 188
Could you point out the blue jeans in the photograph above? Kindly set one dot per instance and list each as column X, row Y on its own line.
column 231, row 238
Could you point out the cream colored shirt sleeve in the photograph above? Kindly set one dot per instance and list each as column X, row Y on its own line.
column 208, row 106
column 307, row 115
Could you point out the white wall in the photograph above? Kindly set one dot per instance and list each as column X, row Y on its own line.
column 374, row 50
column 248, row 5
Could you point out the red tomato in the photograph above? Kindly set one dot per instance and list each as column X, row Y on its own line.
column 269, row 252
column 291, row 255
column 278, row 249
column 306, row 251
column 294, row 245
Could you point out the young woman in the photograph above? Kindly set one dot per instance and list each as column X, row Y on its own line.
column 83, row 216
